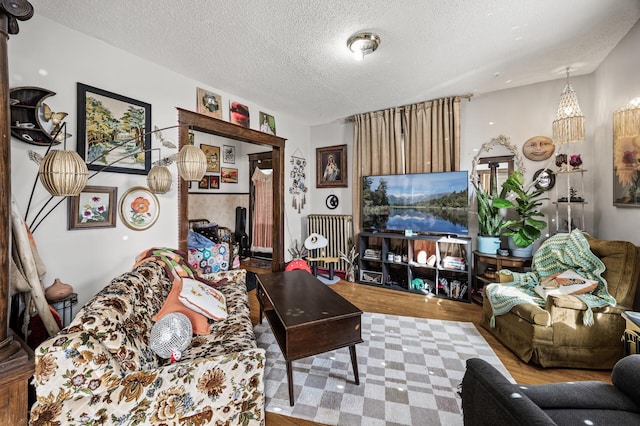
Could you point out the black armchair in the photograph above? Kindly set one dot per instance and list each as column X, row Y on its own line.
column 489, row 398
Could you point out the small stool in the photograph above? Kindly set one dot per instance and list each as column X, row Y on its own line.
column 326, row 260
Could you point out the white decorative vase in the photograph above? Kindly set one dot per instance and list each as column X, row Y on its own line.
column 488, row 244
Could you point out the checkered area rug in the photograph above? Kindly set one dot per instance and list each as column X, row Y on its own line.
column 410, row 369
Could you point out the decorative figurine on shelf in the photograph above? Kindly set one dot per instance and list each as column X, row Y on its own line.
column 575, row 161
column 561, row 161
column 58, row 291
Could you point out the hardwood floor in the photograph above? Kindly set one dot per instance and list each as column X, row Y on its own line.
column 380, row 300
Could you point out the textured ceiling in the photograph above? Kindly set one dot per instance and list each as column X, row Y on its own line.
column 291, row 56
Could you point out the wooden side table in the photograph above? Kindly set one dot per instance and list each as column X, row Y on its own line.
column 632, row 333
column 64, row 308
column 480, row 263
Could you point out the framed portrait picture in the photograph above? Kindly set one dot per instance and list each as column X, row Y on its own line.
column 331, row 168
column 113, row 131
column 208, row 103
column 204, row 182
column 213, row 157
column 139, row 208
column 214, row 182
column 267, row 123
column 229, row 175
column 229, row 154
column 95, row 207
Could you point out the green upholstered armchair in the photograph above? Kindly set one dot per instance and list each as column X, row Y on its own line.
column 555, row 336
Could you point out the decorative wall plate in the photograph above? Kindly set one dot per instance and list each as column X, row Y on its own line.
column 545, row 179
column 332, row 202
column 538, row 148
column 139, row 208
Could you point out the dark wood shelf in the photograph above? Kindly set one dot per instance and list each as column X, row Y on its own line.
column 27, row 110
column 480, row 263
column 400, row 275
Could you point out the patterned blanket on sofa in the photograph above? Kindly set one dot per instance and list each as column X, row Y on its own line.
column 100, row 369
column 557, row 254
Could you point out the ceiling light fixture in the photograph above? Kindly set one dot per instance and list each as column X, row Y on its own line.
column 362, row 44
column 568, row 127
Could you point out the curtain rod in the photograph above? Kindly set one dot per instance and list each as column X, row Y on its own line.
column 467, row 96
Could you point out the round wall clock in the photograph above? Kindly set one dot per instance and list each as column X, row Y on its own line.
column 545, row 179
column 332, row 202
column 538, row 148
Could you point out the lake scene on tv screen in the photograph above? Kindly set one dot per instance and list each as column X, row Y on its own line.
column 424, row 202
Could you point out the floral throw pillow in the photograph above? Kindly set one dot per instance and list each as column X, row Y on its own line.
column 203, row 299
column 173, row 304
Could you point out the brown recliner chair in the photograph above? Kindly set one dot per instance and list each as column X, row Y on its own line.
column 555, row 336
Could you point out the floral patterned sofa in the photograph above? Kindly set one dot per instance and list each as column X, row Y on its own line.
column 100, row 370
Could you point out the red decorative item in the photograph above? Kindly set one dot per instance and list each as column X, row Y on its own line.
column 575, row 161
column 297, row 264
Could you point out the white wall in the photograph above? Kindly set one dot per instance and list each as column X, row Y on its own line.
column 336, row 133
column 518, row 113
column 523, row 112
column 88, row 259
column 616, row 82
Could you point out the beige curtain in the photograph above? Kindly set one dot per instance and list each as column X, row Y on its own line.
column 377, row 150
column 416, row 138
column 432, row 136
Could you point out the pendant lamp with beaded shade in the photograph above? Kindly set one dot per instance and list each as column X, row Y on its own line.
column 63, row 173
column 568, row 127
column 626, row 120
column 192, row 163
column 159, row 180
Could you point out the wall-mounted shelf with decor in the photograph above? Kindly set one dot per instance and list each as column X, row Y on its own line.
column 26, row 115
column 572, row 198
column 425, row 264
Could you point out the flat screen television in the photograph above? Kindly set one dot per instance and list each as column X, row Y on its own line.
column 422, row 202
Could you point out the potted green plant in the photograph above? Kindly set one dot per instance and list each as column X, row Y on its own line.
column 526, row 228
column 490, row 222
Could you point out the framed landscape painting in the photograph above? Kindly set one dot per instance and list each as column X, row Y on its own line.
column 95, row 207
column 113, row 131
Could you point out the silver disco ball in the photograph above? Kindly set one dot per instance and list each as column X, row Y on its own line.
column 171, row 335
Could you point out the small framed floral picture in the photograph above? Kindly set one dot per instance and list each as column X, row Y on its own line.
column 95, row 207
column 139, row 208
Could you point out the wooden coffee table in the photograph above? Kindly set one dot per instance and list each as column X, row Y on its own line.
column 307, row 318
